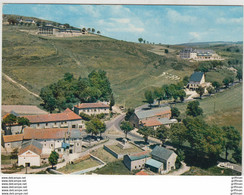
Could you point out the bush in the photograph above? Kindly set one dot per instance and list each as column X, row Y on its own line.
column 86, row 117
column 101, row 116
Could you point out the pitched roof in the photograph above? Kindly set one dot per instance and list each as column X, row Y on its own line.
column 92, row 105
column 23, row 109
column 140, row 155
column 13, row 138
column 64, row 116
column 52, row 133
column 141, row 173
column 31, row 145
column 156, row 122
column 154, row 163
column 196, row 77
column 161, row 152
column 153, row 112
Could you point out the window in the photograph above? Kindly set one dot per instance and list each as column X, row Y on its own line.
column 55, row 123
column 37, row 124
column 73, row 126
column 51, row 145
column 46, row 124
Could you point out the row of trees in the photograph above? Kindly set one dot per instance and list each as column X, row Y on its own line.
column 69, row 91
column 92, row 30
column 166, row 92
column 204, row 139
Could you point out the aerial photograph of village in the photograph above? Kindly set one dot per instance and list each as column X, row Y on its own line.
column 121, row 89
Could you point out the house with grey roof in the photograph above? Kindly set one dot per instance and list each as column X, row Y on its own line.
column 163, row 160
column 136, row 161
column 142, row 115
column 197, row 79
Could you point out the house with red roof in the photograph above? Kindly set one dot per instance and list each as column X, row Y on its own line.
column 12, row 141
column 92, row 108
column 66, row 119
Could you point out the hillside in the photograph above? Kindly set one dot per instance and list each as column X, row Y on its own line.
column 35, row 61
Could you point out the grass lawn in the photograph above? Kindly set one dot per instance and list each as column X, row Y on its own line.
column 131, row 150
column 114, row 168
column 228, row 107
column 14, row 95
column 84, row 164
column 103, row 155
column 214, row 171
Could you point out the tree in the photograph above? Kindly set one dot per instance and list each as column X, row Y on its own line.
column 98, row 32
column 166, row 51
column 178, row 133
column 93, row 30
column 146, row 132
column 53, row 158
column 144, row 41
column 226, row 82
column 182, row 95
column 232, row 139
column 186, row 80
column 159, row 94
column 126, row 127
column 200, row 91
column 193, row 109
column 66, row 25
column 85, row 116
column 237, row 155
column 216, row 85
column 204, row 139
column 175, row 112
column 210, row 90
column 95, row 126
column 149, row 97
column 140, row 40
column 231, row 79
column 48, row 99
column 239, row 74
column 112, row 102
column 10, row 120
column 128, row 114
column 162, row 133
column 89, row 29
column 23, row 122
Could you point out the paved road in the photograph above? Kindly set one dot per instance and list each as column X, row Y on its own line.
column 180, row 171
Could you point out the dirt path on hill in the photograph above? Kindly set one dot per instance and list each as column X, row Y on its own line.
column 19, row 85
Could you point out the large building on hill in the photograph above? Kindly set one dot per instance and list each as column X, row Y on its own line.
column 199, row 54
column 57, row 31
column 92, row 108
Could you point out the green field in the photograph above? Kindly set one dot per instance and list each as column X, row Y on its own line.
column 84, row 164
column 114, row 168
column 103, row 155
column 223, row 108
column 36, row 61
column 131, row 150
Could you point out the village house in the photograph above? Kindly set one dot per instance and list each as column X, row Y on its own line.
column 197, row 79
column 199, row 54
column 56, row 139
column 157, row 122
column 59, row 32
column 136, row 161
column 66, row 119
column 162, row 161
column 92, row 108
column 10, row 142
column 139, row 118
column 30, row 154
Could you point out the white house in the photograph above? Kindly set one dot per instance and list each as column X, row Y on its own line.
column 197, row 79
column 92, row 108
column 30, row 154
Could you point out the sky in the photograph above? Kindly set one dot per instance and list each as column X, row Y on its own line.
column 154, row 23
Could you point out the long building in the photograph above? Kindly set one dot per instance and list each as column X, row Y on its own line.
column 199, row 54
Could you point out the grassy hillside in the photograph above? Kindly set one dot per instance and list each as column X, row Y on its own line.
column 224, row 108
column 37, row 61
